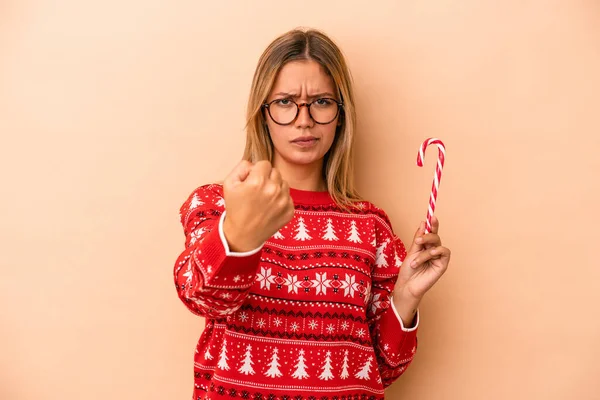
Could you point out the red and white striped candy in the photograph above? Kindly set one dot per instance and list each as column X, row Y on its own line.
column 436, row 178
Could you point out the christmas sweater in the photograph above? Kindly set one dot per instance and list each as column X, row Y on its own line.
column 306, row 316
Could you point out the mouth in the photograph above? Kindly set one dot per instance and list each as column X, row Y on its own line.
column 306, row 139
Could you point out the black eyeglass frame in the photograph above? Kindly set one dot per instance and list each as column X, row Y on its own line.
column 340, row 106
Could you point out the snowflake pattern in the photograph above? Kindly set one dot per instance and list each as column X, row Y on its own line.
column 292, row 283
column 330, row 328
column 265, row 278
column 377, row 302
column 321, row 283
column 349, row 285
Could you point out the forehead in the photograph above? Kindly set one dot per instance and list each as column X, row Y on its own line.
column 303, row 77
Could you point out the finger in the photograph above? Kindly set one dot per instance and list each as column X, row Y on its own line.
column 261, row 170
column 275, row 176
column 416, row 247
column 429, row 240
column 443, row 253
column 240, row 172
column 435, row 224
column 430, row 254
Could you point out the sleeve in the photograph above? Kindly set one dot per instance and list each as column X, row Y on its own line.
column 395, row 345
column 211, row 280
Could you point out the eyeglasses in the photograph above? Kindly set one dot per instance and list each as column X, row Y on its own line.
column 285, row 111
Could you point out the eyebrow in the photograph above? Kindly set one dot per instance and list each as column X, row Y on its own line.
column 323, row 94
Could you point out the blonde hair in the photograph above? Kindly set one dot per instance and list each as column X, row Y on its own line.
column 310, row 44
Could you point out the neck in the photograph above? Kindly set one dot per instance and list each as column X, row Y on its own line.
column 302, row 177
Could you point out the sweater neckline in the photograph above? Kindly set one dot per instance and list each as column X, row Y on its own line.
column 310, row 196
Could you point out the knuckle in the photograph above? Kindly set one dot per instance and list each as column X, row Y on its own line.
column 282, row 204
column 270, row 190
column 255, row 182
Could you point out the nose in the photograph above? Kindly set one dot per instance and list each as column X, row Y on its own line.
column 304, row 119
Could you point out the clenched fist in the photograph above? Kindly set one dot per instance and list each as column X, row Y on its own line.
column 258, row 204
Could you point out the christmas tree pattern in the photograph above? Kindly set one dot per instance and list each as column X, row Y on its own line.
column 246, row 367
column 223, row 357
column 344, row 373
column 278, row 235
column 207, row 355
column 329, row 233
column 363, row 373
column 397, row 260
column 221, row 202
column 300, row 372
column 195, row 202
column 380, row 256
column 354, row 236
column 326, row 374
column 273, row 371
column 302, row 231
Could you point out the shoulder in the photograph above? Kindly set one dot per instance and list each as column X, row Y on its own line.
column 376, row 212
column 384, row 231
column 206, row 191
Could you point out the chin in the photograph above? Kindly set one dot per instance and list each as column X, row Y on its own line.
column 303, row 158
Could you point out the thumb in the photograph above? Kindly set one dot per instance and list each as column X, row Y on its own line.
column 416, row 247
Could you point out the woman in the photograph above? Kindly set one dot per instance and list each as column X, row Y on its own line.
column 299, row 278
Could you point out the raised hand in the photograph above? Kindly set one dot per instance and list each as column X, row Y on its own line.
column 258, row 204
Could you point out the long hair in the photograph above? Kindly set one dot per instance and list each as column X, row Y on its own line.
column 311, row 44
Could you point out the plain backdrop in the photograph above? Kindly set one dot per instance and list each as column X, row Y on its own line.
column 112, row 112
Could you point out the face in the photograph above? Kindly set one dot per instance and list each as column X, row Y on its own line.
column 303, row 141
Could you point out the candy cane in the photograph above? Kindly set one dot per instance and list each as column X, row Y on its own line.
column 436, row 178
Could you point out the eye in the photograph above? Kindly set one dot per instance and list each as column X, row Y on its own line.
column 283, row 102
column 324, row 102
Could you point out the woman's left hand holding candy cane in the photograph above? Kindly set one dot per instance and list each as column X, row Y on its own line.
column 425, row 263
column 426, row 259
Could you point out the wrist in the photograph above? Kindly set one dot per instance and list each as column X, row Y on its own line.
column 234, row 239
column 406, row 306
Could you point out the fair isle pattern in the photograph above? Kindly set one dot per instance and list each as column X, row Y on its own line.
column 307, row 316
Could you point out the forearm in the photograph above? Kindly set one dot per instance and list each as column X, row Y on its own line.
column 211, row 280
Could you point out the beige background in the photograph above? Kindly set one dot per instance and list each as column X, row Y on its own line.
column 112, row 112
